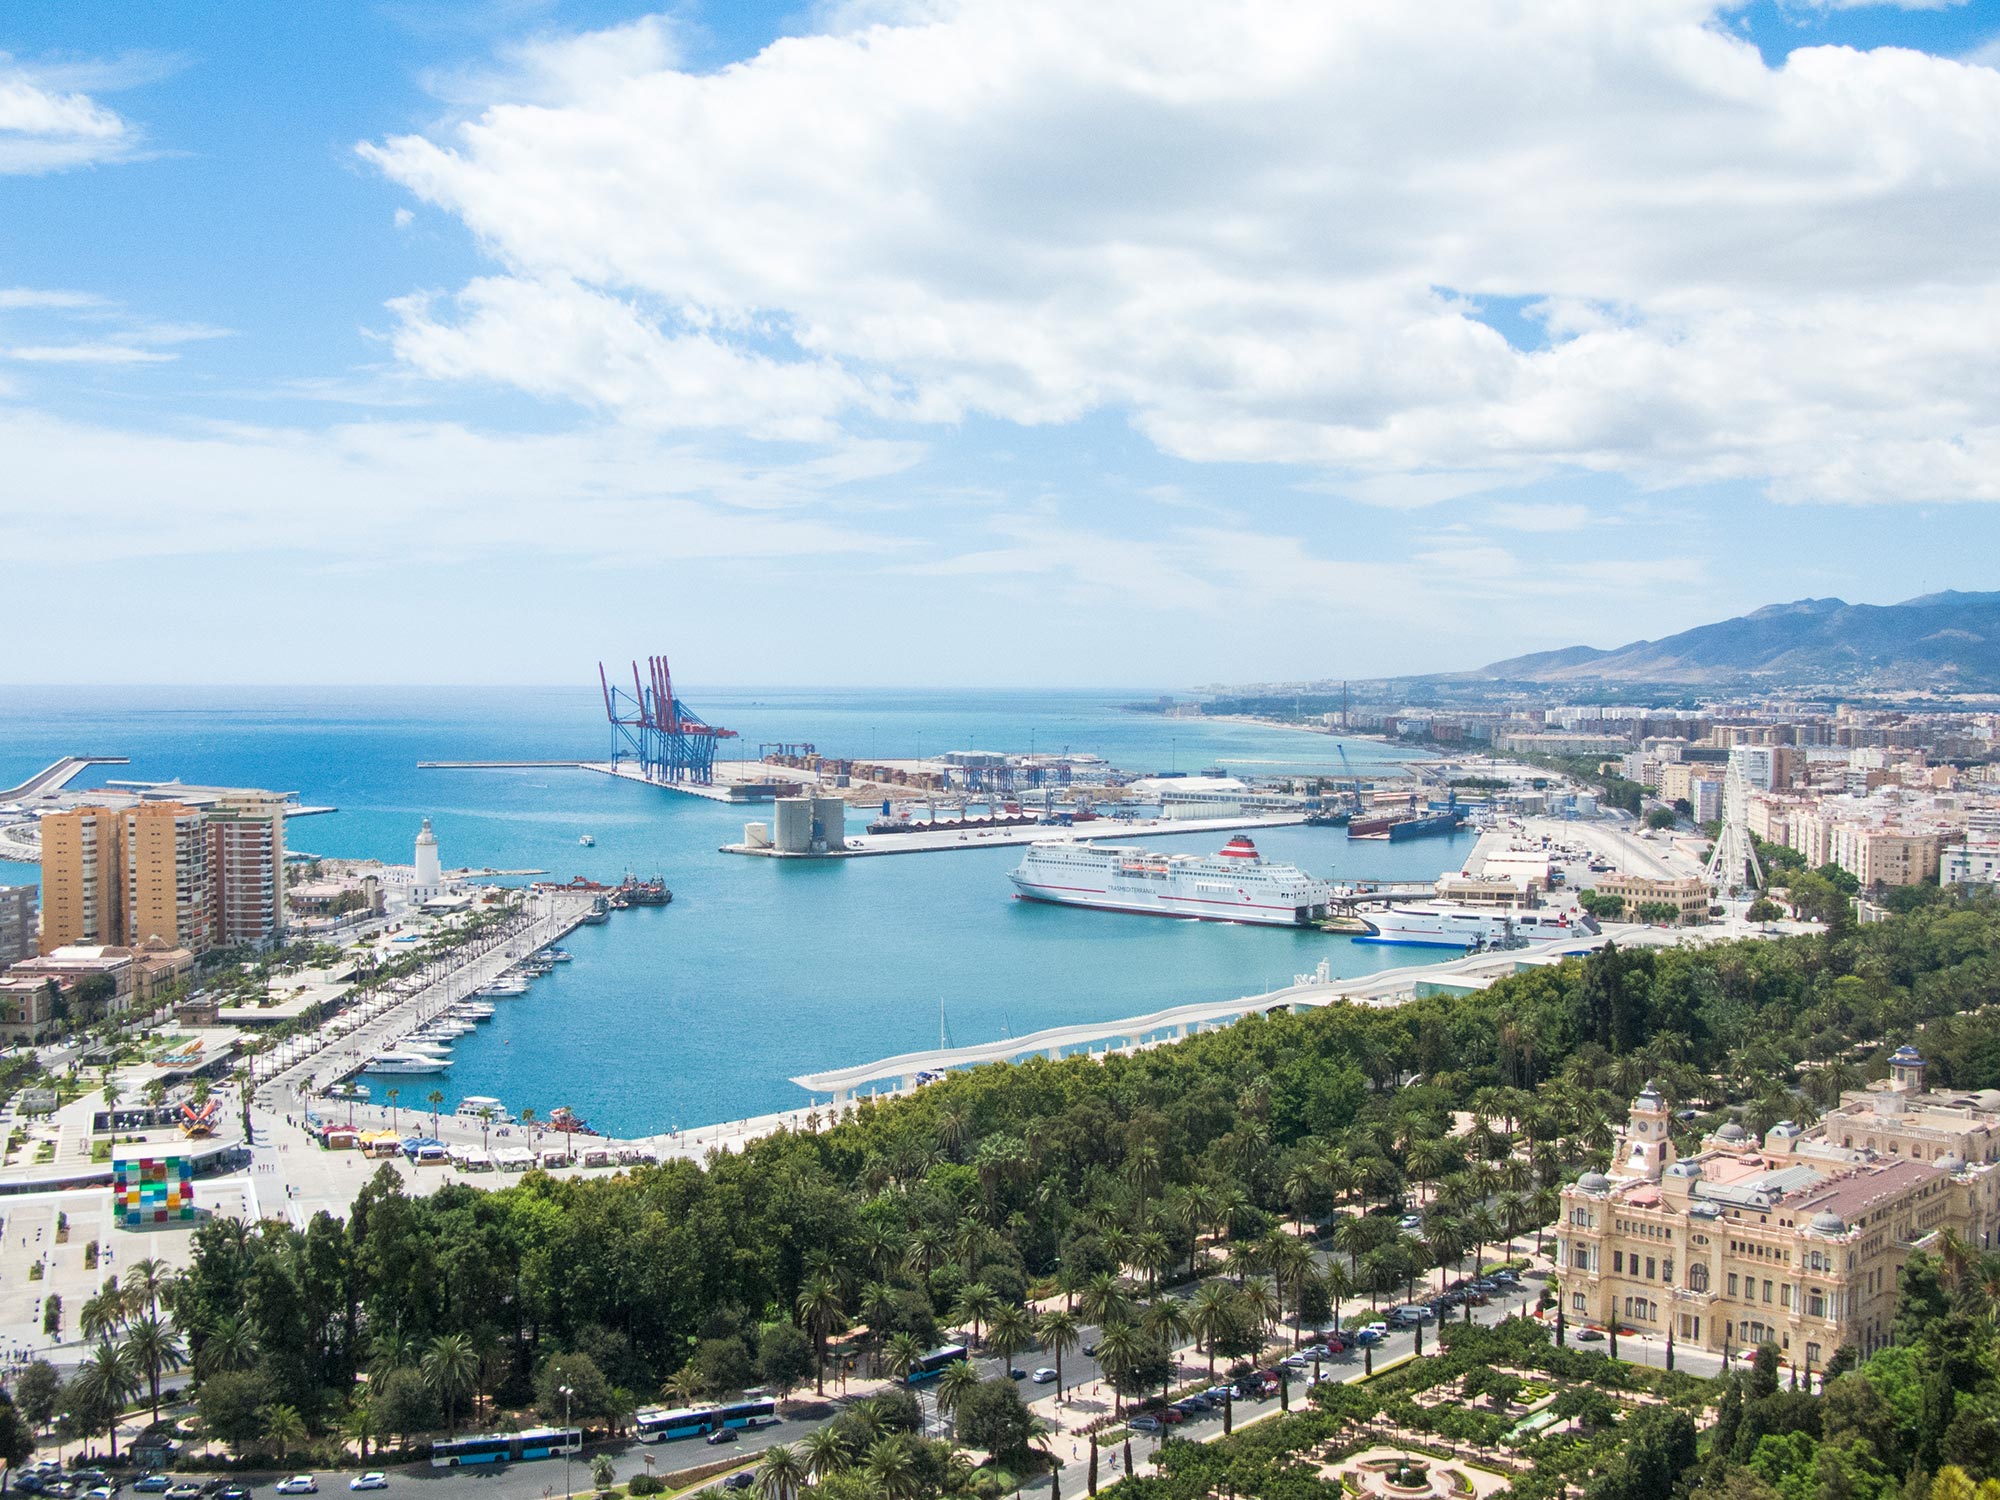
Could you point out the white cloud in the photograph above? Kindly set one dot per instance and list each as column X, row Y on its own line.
column 45, row 127
column 42, row 298
column 85, row 354
column 1539, row 516
column 1254, row 230
column 389, row 490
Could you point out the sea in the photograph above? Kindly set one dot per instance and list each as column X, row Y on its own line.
column 760, row 969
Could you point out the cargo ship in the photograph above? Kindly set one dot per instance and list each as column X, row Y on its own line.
column 1237, row 884
column 1410, row 825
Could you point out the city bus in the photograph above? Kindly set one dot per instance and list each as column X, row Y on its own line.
column 507, row 1447
column 933, row 1364
column 658, row 1426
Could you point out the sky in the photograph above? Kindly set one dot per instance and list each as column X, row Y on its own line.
column 923, row 342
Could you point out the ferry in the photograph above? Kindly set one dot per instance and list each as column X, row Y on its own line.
column 1446, row 924
column 407, row 1062
column 1236, row 884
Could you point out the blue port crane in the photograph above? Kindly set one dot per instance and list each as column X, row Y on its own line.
column 652, row 726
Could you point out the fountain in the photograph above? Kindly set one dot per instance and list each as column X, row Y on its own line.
column 1405, row 1476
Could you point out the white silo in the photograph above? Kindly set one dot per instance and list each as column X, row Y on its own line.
column 791, row 830
column 831, row 815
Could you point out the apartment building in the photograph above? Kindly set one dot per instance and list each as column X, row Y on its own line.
column 202, row 872
column 168, row 892
column 20, row 923
column 83, row 877
column 247, row 855
column 1798, row 1240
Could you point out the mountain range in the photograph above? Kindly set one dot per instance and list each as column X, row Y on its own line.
column 1948, row 642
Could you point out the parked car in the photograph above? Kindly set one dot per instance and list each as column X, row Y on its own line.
column 1297, row 1361
column 148, row 1484
column 1410, row 1221
column 721, row 1435
column 739, row 1481
column 299, row 1484
column 30, row 1483
column 1145, row 1423
column 1090, row 1351
column 374, row 1479
column 100, row 1492
column 233, row 1489
column 1044, row 1375
column 1015, row 1372
column 1589, row 1335
column 184, row 1489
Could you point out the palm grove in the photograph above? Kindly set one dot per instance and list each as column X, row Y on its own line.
column 1022, row 1204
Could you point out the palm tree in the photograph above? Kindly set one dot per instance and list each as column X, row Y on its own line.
column 826, row 1453
column 102, row 1314
column 1009, row 1330
column 155, row 1347
column 603, row 1472
column 684, row 1386
column 359, row 1424
column 1338, row 1283
column 901, row 1353
column 1166, row 1320
column 878, row 1306
column 394, row 1095
column 1118, row 1349
column 146, row 1282
column 781, row 1473
column 957, row 1381
column 106, row 1380
column 1445, row 1240
column 1058, row 1330
column 450, row 1365
column 976, row 1303
column 434, row 1099
column 284, row 1429
column 820, row 1312
column 228, row 1345
column 1104, row 1300
column 1210, row 1316
column 891, row 1469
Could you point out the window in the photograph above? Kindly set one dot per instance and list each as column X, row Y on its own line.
column 1576, row 1301
column 1732, row 1283
column 1785, row 1295
column 1816, row 1303
column 1667, row 1270
column 1618, row 1261
column 1649, row 1268
column 1812, row 1355
column 1583, row 1257
column 1767, row 1291
column 1698, row 1277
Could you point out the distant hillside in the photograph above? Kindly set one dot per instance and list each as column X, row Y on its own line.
column 1948, row 641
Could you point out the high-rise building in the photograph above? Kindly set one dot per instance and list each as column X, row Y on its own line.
column 167, row 884
column 83, row 877
column 246, row 832
column 19, row 923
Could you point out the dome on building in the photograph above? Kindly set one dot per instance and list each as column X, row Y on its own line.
column 1649, row 1097
column 1987, row 1098
column 1827, row 1223
column 1905, row 1055
column 1594, row 1182
column 1951, row 1161
column 1730, row 1132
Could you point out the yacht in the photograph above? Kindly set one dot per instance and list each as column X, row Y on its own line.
column 473, row 1010
column 407, row 1062
column 506, row 984
column 474, row 1106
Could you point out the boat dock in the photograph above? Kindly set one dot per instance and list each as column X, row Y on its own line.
column 924, row 840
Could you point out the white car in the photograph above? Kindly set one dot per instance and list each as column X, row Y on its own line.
column 1044, row 1375
column 299, row 1484
column 374, row 1479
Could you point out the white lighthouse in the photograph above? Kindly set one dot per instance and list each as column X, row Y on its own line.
column 430, row 877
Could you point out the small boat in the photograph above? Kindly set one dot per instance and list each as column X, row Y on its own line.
column 587, row 841
column 506, row 984
column 558, row 955
column 474, row 1010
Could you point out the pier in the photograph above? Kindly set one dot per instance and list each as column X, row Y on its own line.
column 924, row 840
column 893, row 1075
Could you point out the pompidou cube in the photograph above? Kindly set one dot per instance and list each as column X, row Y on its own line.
column 149, row 1190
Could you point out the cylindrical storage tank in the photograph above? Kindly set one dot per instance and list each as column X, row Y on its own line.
column 792, row 832
column 757, row 835
column 831, row 814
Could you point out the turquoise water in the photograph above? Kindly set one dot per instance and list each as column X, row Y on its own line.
column 761, row 969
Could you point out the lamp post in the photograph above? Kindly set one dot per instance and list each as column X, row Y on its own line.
column 567, row 1393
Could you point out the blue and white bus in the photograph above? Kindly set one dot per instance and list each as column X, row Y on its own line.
column 662, row 1426
column 933, row 1364
column 507, row 1447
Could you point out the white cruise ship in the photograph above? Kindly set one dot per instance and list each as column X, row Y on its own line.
column 1446, row 924
column 1235, row 885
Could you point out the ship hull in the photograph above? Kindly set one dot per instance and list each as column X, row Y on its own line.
column 1183, row 909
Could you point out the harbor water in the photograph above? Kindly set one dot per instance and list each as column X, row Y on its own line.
column 760, row 969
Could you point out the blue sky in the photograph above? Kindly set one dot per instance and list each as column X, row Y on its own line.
column 889, row 342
